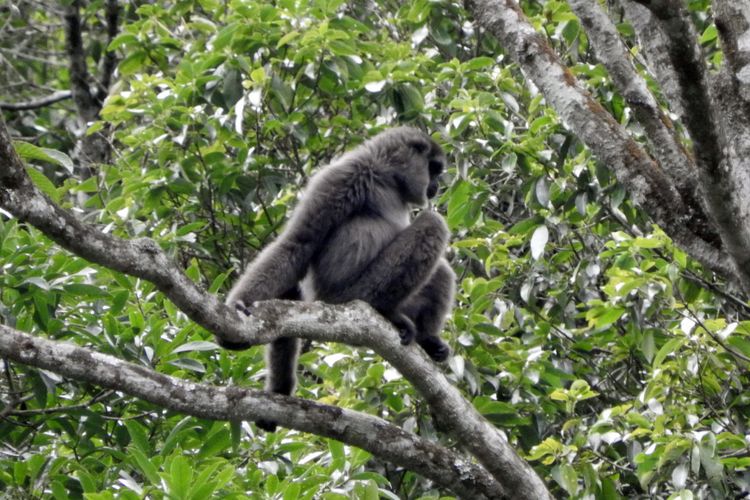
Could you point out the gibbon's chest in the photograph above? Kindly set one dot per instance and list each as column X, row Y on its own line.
column 347, row 252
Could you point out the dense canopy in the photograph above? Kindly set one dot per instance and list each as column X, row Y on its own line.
column 597, row 196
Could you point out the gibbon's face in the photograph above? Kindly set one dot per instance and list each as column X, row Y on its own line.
column 423, row 169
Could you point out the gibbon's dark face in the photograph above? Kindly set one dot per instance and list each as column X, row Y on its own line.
column 424, row 168
column 435, row 167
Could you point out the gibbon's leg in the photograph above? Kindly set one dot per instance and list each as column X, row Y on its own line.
column 281, row 362
column 281, row 371
column 428, row 307
column 403, row 266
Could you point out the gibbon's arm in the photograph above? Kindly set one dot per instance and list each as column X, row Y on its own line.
column 330, row 198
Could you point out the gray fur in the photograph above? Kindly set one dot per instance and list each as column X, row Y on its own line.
column 352, row 237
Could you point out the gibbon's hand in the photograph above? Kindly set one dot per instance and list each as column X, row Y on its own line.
column 240, row 307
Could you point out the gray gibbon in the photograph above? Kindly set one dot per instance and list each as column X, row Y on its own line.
column 352, row 236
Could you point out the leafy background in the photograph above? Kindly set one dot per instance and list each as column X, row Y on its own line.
column 614, row 363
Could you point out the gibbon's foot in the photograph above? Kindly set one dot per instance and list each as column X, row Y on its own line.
column 240, row 307
column 233, row 346
column 266, row 425
column 406, row 329
column 435, row 348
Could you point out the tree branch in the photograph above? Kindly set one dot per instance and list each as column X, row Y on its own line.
column 660, row 131
column 37, row 103
column 732, row 20
column 687, row 60
column 112, row 13
column 652, row 41
column 646, row 182
column 717, row 124
column 234, row 403
column 272, row 319
column 88, row 109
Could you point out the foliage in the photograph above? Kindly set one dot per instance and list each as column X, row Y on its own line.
column 611, row 360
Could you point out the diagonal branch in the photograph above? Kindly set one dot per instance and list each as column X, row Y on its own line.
column 732, row 19
column 233, row 403
column 652, row 41
column 659, row 129
column 647, row 184
column 354, row 324
column 687, row 60
column 717, row 123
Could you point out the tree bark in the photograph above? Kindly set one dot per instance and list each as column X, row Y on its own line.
column 233, row 403
column 647, row 184
column 659, row 130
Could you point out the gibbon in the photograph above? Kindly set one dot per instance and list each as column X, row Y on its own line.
column 352, row 237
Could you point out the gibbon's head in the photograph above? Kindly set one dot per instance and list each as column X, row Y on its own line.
column 413, row 160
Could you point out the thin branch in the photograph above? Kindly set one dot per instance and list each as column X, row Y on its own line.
column 234, row 403
column 729, row 349
column 64, row 409
column 37, row 103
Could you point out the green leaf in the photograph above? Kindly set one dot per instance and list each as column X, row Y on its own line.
column 284, row 40
column 235, row 428
column 338, row 459
column 145, row 465
column 198, row 345
column 30, row 152
column 123, row 39
column 667, row 349
column 225, row 36
column 292, row 492
column 216, row 442
column 86, row 290
column 133, row 62
column 189, row 364
column 176, row 435
column 43, row 183
column 181, row 477
column 408, row 99
column 709, row 34
column 138, row 436
column 478, row 63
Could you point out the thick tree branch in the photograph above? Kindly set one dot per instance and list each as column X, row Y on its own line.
column 37, row 103
column 233, row 403
column 354, row 324
column 717, row 124
column 687, row 60
column 727, row 188
column 647, row 183
column 658, row 127
column 652, row 41
column 732, row 19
